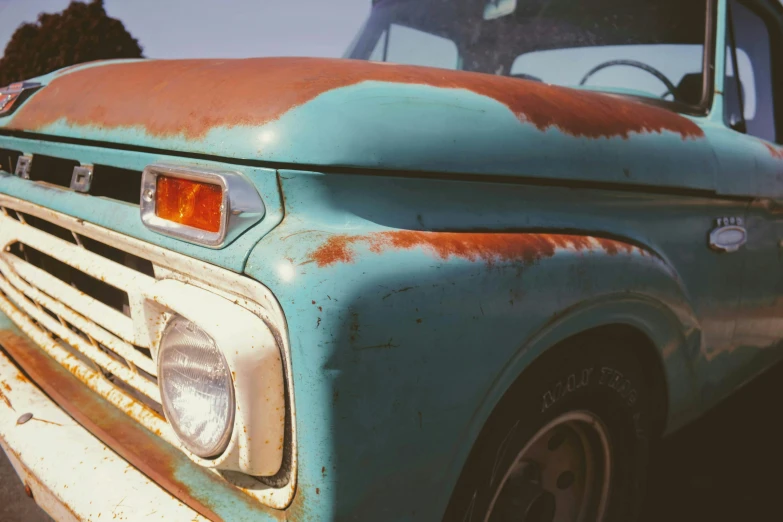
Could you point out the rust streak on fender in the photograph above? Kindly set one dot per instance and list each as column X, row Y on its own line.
column 473, row 246
column 775, row 152
column 191, row 97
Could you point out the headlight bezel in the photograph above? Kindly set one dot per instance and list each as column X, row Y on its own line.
column 256, row 365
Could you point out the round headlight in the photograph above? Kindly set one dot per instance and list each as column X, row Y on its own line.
column 195, row 388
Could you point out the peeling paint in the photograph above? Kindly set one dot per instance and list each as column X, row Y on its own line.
column 488, row 247
column 160, row 97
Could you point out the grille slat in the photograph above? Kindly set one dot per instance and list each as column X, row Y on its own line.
column 86, row 264
column 74, row 340
column 115, row 344
column 121, row 325
column 86, row 372
column 70, row 291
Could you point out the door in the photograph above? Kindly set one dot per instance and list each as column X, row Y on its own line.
column 750, row 109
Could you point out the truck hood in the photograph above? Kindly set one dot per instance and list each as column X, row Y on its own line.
column 365, row 115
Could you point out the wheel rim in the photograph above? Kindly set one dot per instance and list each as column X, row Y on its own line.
column 561, row 475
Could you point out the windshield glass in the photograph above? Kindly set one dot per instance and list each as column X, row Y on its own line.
column 640, row 47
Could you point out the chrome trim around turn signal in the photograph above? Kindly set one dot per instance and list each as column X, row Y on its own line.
column 241, row 207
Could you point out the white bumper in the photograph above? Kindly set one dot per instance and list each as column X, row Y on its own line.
column 73, row 475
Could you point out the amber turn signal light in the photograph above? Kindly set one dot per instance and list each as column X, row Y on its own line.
column 205, row 206
column 192, row 203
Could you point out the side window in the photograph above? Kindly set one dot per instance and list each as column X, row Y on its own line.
column 401, row 44
column 755, row 75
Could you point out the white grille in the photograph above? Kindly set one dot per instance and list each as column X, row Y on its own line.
column 101, row 345
column 106, row 346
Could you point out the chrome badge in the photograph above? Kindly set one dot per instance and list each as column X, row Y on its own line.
column 728, row 235
column 11, row 94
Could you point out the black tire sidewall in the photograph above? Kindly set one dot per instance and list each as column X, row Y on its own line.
column 601, row 376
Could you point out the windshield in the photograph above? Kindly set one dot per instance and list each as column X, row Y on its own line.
column 647, row 48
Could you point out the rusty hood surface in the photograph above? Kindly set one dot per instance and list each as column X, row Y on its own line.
column 328, row 112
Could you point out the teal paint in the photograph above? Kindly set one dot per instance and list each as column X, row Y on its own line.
column 440, row 130
column 403, row 354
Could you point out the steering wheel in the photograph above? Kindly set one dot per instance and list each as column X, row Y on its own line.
column 672, row 89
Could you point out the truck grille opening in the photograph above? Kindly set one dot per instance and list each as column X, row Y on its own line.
column 8, row 159
column 84, row 315
column 57, row 171
column 107, row 181
column 116, row 183
column 89, row 285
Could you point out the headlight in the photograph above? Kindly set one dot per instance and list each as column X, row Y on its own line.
column 196, row 388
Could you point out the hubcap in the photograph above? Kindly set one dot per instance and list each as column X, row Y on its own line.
column 561, row 475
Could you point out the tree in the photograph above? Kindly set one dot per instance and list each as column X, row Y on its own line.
column 81, row 33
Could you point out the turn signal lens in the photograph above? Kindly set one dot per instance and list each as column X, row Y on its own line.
column 192, row 203
column 205, row 206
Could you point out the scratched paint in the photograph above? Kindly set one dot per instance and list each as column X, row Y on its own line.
column 159, row 96
column 487, row 247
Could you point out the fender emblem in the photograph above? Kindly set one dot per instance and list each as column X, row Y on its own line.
column 728, row 235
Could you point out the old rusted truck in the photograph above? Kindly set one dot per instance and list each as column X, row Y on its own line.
column 474, row 282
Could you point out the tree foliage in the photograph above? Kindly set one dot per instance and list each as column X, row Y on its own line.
column 81, row 33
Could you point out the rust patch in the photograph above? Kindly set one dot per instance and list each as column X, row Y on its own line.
column 490, row 248
column 148, row 453
column 7, row 388
column 191, row 97
column 6, row 400
column 775, row 152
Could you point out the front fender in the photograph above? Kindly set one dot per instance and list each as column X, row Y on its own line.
column 402, row 341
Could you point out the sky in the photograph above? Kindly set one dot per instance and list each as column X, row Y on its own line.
column 218, row 28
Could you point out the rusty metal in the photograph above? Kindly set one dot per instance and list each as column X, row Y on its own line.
column 148, row 453
column 526, row 248
column 775, row 152
column 160, row 96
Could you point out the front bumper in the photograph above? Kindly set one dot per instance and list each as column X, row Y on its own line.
column 71, row 474
column 83, row 458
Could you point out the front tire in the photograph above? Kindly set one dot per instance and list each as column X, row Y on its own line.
column 568, row 442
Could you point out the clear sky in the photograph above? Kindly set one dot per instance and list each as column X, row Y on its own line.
column 218, row 28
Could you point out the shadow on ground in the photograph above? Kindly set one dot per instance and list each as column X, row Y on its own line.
column 728, row 466
column 15, row 505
